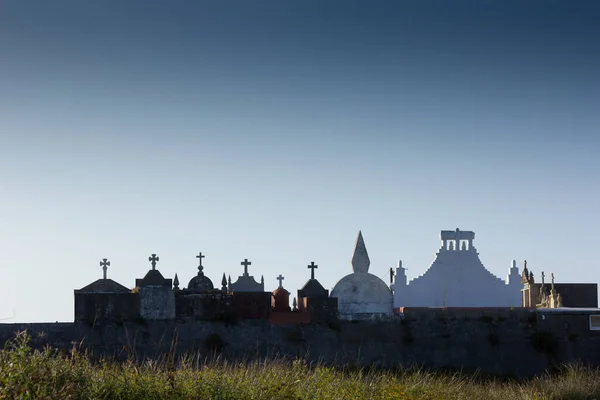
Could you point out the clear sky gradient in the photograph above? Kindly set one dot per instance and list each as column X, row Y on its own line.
column 275, row 130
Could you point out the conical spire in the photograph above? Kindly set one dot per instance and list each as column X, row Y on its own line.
column 224, row 283
column 360, row 259
column 176, row 283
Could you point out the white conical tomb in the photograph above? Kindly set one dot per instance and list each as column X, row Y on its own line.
column 362, row 293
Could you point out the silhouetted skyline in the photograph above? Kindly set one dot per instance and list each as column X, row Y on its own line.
column 275, row 131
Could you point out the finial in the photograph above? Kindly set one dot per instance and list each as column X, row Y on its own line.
column 176, row 283
column 224, row 283
column 391, row 275
column 262, row 279
column 200, row 267
column 153, row 260
column 295, row 305
column 360, row 259
column 552, row 278
column 229, row 280
column 104, row 264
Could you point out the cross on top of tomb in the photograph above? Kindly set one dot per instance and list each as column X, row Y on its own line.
column 245, row 263
column 280, row 279
column 104, row 264
column 200, row 267
column 312, row 267
column 153, row 260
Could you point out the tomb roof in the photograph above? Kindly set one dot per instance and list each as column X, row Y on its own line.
column 104, row 286
column 200, row 283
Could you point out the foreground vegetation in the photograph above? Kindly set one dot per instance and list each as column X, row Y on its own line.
column 27, row 373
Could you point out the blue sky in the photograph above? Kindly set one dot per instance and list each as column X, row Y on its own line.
column 274, row 131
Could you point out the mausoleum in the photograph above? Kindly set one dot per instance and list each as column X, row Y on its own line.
column 361, row 293
column 457, row 278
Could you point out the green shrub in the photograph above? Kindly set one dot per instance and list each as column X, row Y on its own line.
column 48, row 374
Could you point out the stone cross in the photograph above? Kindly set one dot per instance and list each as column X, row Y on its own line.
column 200, row 267
column 543, row 276
column 280, row 279
column 312, row 267
column 245, row 263
column 153, row 260
column 104, row 264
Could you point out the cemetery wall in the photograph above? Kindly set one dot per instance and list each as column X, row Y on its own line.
column 517, row 342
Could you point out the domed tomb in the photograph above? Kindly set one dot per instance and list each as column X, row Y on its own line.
column 362, row 292
column 280, row 300
column 200, row 283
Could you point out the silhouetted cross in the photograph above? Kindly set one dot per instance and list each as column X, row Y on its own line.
column 312, row 267
column 245, row 263
column 104, row 263
column 153, row 259
column 280, row 278
column 200, row 267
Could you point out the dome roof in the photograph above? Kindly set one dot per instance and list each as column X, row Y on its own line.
column 280, row 292
column 200, row 283
column 362, row 293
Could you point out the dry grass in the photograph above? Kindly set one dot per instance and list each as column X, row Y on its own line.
column 26, row 373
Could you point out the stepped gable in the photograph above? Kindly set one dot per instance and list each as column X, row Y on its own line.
column 458, row 278
column 313, row 288
column 200, row 283
column 464, row 261
column 246, row 282
column 362, row 292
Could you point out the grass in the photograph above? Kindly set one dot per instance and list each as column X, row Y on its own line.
column 33, row 374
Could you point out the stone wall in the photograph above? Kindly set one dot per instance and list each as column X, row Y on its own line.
column 91, row 307
column 157, row 302
column 203, row 306
column 518, row 342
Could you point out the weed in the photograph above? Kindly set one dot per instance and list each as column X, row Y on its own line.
column 27, row 374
